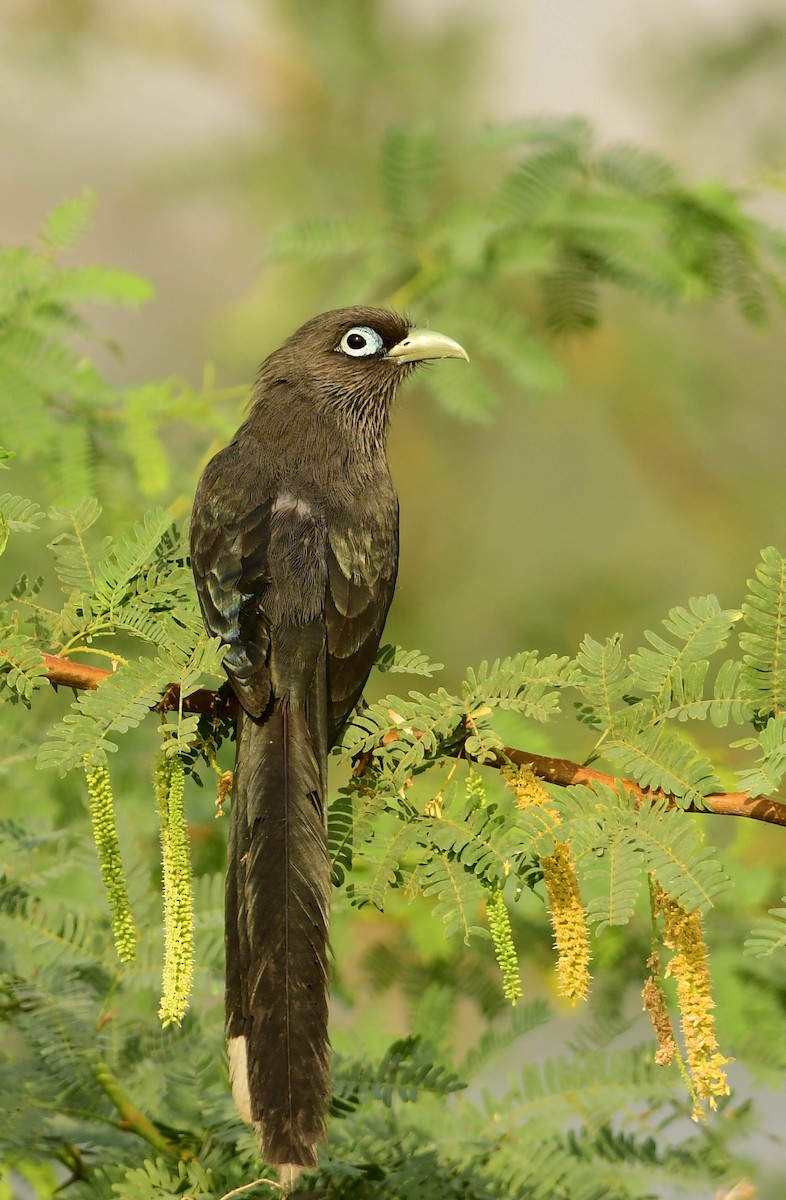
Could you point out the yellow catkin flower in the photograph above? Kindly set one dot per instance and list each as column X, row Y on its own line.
column 568, row 920
column 683, row 933
column 178, row 896
column 102, row 812
column 502, row 939
column 528, row 789
column 655, row 1007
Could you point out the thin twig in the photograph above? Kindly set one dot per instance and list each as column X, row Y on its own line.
column 254, row 1183
column 131, row 1118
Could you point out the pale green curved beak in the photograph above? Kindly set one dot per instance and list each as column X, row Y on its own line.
column 420, row 344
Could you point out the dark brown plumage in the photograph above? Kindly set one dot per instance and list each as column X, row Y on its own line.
column 294, row 541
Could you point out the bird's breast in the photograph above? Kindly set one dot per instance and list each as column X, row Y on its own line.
column 363, row 536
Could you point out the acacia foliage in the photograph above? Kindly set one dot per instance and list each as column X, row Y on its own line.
column 91, row 1081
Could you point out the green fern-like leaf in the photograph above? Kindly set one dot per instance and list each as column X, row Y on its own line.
column 120, row 704
column 770, row 935
column 673, row 850
column 604, row 682
column 664, row 762
column 73, row 558
column 766, row 776
column 764, row 638
column 315, row 240
column 127, row 557
column 457, row 892
column 522, row 683
column 620, row 872
column 65, row 224
column 22, row 668
column 406, row 1071
column 635, row 170
column 699, row 631
column 410, row 162
column 687, row 700
column 539, row 180
column 658, row 839
column 396, row 659
column 105, row 285
column 17, row 515
column 599, row 1083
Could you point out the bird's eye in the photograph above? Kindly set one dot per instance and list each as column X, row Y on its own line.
column 361, row 342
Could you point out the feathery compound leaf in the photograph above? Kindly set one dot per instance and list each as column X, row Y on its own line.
column 487, row 840
column 106, row 284
column 406, row 662
column 458, row 894
column 764, row 639
column 771, row 767
column 687, row 701
column 128, row 556
column 410, row 162
column 504, row 337
column 620, row 871
column 674, row 851
column 662, row 761
column 65, row 225
column 72, row 557
column 405, row 1071
column 312, row 241
column 635, row 170
column 701, row 630
column 770, row 936
column 597, row 1083
column 523, row 683
column 604, row 683
column 503, row 1034
column 22, row 667
column 539, row 180
column 17, row 515
column 143, row 408
column 123, row 700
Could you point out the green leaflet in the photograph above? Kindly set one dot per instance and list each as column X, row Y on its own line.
column 405, row 1071
column 699, row 630
column 397, row 660
column 764, row 638
column 663, row 761
column 22, row 668
column 769, row 936
column 120, row 704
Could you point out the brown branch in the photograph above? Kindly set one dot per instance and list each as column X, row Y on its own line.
column 563, row 773
column 560, row 771
column 63, row 672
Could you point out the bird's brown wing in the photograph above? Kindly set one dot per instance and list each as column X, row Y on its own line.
column 230, row 560
column 361, row 578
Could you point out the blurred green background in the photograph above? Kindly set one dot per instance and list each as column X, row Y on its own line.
column 652, row 473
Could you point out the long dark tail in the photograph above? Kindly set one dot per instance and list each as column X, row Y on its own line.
column 277, row 916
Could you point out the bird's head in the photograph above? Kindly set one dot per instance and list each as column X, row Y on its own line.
column 355, row 358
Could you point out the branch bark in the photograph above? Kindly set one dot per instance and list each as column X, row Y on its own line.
column 559, row 771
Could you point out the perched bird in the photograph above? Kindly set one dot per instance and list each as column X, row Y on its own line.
column 294, row 545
